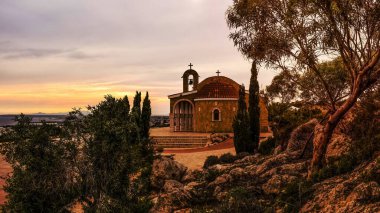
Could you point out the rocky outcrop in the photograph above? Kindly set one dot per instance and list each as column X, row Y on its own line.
column 358, row 191
column 301, row 135
column 338, row 146
column 165, row 168
column 255, row 183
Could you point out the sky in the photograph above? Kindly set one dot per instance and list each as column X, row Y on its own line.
column 56, row 55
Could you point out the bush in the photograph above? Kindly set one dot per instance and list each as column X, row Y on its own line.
column 160, row 149
column 227, row 158
column 241, row 155
column 211, row 175
column 345, row 164
column 266, row 147
column 295, row 194
column 210, row 161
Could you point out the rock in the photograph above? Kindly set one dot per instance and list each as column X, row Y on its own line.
column 191, row 175
column 300, row 136
column 237, row 173
column 221, row 180
column 251, row 159
column 187, row 210
column 172, row 185
column 190, row 186
column 276, row 183
column 219, row 167
column 166, row 169
column 365, row 191
column 221, row 196
column 174, row 197
column 338, row 146
column 351, row 192
column 277, row 150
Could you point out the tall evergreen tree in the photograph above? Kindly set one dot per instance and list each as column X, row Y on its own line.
column 135, row 117
column 111, row 156
column 137, row 104
column 145, row 117
column 241, row 124
column 254, row 110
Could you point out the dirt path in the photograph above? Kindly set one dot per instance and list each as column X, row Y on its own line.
column 224, row 145
column 5, row 169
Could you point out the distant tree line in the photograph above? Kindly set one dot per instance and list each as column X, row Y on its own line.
column 102, row 160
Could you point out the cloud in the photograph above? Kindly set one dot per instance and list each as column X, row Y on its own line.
column 112, row 47
column 10, row 51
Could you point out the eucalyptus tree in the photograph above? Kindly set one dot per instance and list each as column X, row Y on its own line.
column 297, row 35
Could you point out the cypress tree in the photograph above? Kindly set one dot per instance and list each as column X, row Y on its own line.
column 254, row 110
column 137, row 104
column 241, row 124
column 145, row 117
column 135, row 116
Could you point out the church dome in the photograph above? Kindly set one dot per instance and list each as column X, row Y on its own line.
column 218, row 89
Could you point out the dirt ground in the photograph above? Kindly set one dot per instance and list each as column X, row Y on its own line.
column 194, row 158
column 5, row 169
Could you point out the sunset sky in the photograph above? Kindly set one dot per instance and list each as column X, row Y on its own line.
column 56, row 55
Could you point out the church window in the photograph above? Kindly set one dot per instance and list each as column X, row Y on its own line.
column 216, row 115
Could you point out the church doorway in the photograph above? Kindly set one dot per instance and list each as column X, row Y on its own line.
column 183, row 116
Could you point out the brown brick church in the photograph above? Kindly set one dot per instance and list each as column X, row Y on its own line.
column 208, row 106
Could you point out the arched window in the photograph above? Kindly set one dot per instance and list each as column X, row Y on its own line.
column 216, row 115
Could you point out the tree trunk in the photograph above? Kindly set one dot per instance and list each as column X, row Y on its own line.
column 324, row 133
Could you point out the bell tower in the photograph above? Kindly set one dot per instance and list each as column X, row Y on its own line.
column 190, row 78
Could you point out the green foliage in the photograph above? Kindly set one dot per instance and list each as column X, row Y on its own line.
column 114, row 151
column 241, row 125
column 365, row 127
column 345, row 164
column 254, row 111
column 242, row 155
column 40, row 163
column 312, row 89
column 145, row 117
column 212, row 174
column 294, row 195
column 102, row 160
column 266, row 147
column 286, row 117
column 227, row 158
column 137, row 104
column 210, row 161
column 160, row 149
column 365, row 135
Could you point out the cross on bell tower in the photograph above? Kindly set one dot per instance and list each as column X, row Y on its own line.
column 190, row 65
column 218, row 72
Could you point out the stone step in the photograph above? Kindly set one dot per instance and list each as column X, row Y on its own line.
column 180, row 141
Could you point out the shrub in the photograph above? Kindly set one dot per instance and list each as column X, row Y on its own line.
column 210, row 161
column 227, row 158
column 345, row 164
column 294, row 195
column 160, row 149
column 243, row 200
column 211, row 175
column 241, row 155
column 266, row 147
